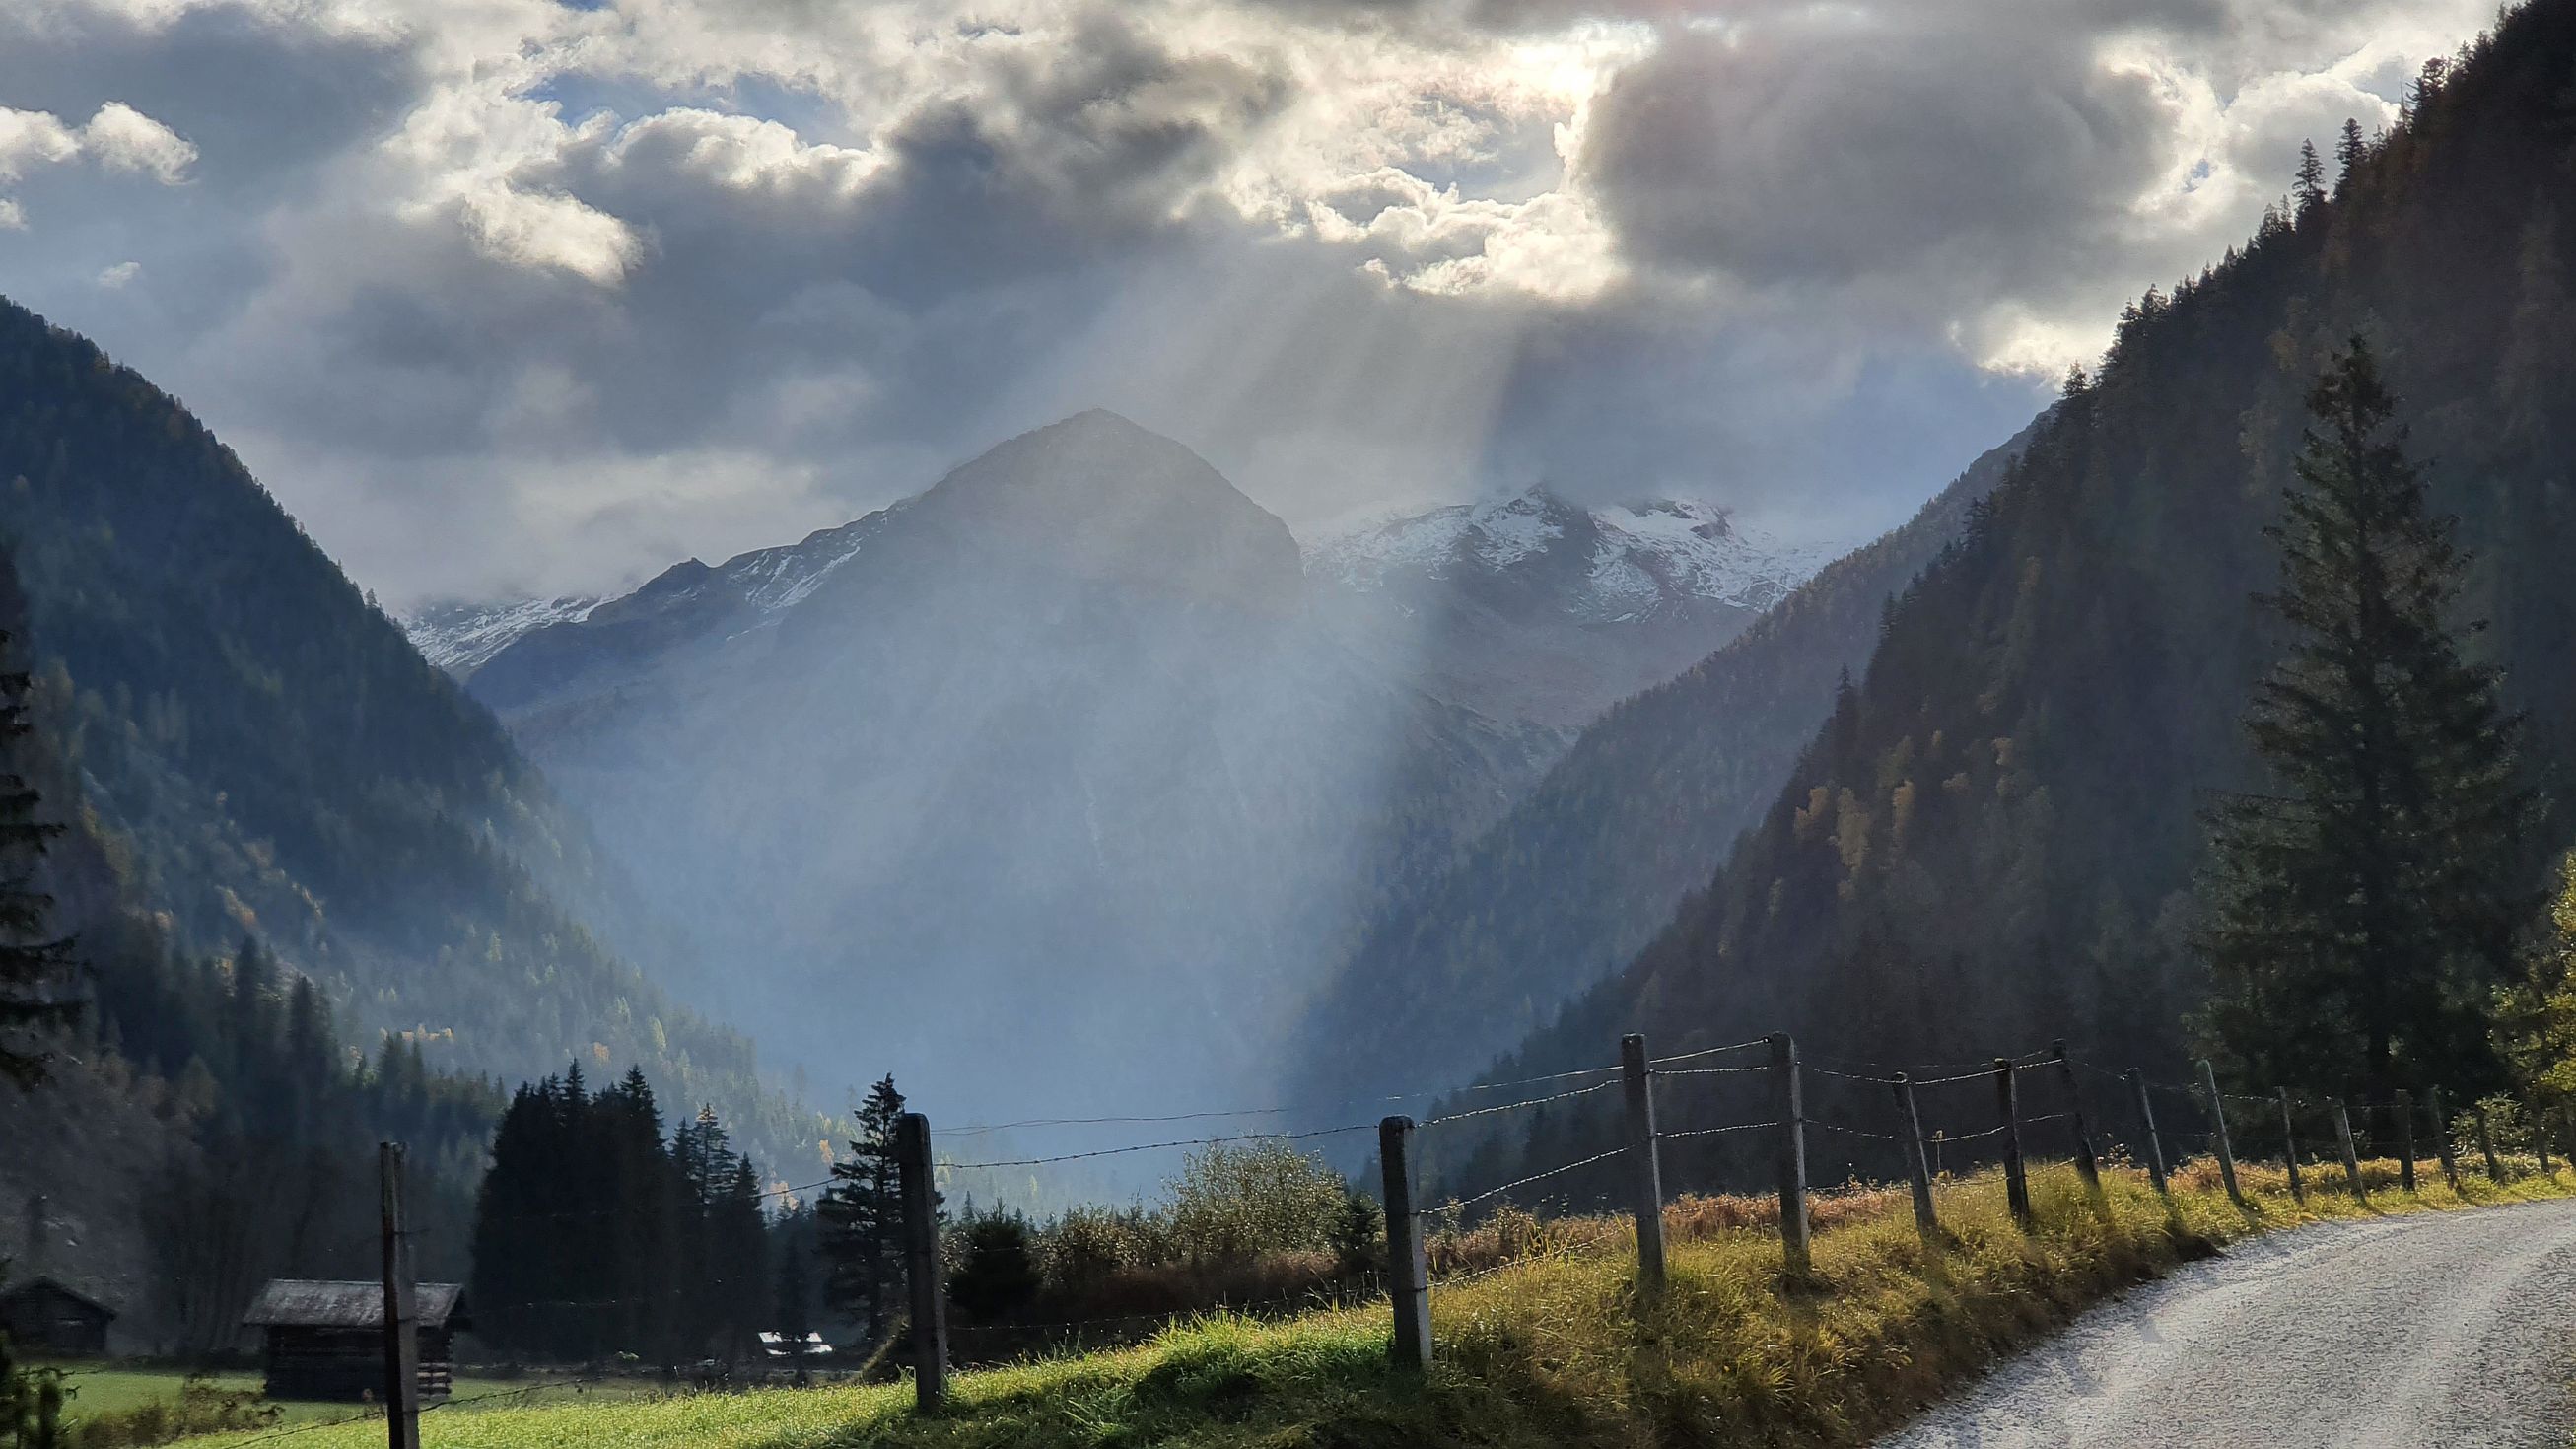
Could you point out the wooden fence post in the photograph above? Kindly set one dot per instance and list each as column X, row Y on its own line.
column 2486, row 1145
column 922, row 1267
column 1408, row 1276
column 2540, row 1143
column 402, row 1339
column 1917, row 1168
column 2008, row 1105
column 1646, row 1181
column 2442, row 1140
column 2290, row 1149
column 2406, row 1141
column 2087, row 1166
column 2155, row 1144
column 2218, row 1132
column 1789, row 1097
column 2351, row 1159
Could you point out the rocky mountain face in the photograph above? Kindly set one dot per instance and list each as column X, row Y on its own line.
column 1074, row 751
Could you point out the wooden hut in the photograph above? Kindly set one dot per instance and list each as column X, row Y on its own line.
column 42, row 1316
column 326, row 1340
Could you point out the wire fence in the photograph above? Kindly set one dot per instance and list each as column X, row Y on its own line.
column 1743, row 1109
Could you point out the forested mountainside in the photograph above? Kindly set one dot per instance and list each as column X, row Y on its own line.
column 1639, row 813
column 1992, row 840
column 257, row 751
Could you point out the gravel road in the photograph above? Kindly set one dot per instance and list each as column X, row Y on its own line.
column 2445, row 1328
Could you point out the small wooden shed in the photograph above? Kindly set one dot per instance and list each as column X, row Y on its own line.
column 326, row 1339
column 42, row 1316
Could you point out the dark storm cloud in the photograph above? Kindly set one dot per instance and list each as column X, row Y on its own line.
column 1825, row 152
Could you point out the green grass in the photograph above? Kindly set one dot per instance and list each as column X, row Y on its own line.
column 98, row 1391
column 1555, row 1353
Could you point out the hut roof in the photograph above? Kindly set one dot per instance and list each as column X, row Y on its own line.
column 35, row 1286
column 315, row 1303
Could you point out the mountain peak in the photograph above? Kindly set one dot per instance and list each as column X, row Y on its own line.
column 1100, row 497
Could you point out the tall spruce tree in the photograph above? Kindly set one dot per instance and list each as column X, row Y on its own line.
column 2309, row 185
column 2360, row 913
column 739, row 1243
column 861, row 1216
column 36, row 986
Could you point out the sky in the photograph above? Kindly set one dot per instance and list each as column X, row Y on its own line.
column 520, row 297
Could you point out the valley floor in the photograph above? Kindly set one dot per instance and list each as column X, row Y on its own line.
column 1556, row 1352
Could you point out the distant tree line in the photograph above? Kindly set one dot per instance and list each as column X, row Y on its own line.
column 596, row 1235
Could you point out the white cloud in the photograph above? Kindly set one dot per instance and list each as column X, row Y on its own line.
column 125, row 139
column 119, row 138
column 118, row 275
column 33, row 138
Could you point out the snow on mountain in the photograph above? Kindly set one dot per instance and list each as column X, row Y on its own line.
column 1615, row 564
column 462, row 638
column 459, row 637
column 1650, row 549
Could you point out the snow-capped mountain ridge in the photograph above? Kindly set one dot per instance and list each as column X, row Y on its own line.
column 765, row 582
column 1617, row 564
column 461, row 637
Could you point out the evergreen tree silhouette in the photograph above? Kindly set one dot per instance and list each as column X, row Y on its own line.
column 2361, row 913
column 862, row 1216
column 37, row 989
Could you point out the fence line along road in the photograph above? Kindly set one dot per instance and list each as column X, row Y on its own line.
column 1639, row 1139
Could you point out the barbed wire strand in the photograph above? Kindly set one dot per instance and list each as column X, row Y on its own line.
column 1158, row 1146
column 1494, row 1192
column 1713, row 1131
column 1717, row 1051
column 1516, row 1106
column 972, row 1129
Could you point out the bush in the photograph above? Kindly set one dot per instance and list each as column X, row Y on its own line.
column 2506, row 1127
column 1359, row 1236
column 997, row 1269
column 1237, row 1202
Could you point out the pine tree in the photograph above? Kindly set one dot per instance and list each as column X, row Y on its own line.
column 644, row 1229
column 36, row 988
column 704, row 1162
column 2310, row 187
column 862, row 1216
column 740, row 1243
column 2350, row 149
column 2360, row 914
column 793, row 1303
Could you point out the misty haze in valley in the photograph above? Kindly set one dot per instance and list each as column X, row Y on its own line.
column 1067, row 783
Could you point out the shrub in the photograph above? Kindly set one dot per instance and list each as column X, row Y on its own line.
column 1243, row 1201
column 1359, row 1236
column 997, row 1269
column 1081, row 1249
